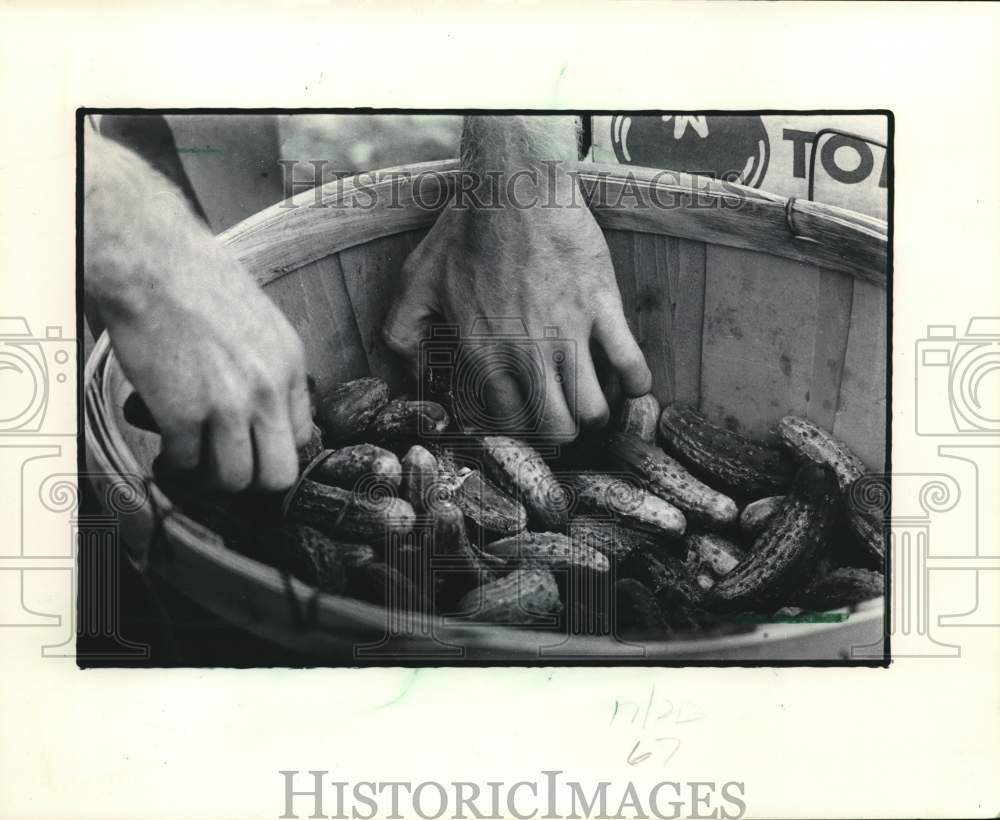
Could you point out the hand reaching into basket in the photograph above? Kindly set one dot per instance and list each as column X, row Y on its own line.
column 218, row 365
column 527, row 249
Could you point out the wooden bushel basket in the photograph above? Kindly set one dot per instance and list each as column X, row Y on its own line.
column 746, row 304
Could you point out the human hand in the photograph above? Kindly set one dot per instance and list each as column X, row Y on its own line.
column 218, row 365
column 549, row 267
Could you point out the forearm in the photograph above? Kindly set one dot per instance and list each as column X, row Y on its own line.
column 138, row 229
column 517, row 180
column 512, row 143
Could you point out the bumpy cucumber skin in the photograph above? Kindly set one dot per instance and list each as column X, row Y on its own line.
column 633, row 507
column 868, row 531
column 490, row 512
column 451, row 471
column 458, row 566
column 336, row 512
column 810, row 443
column 611, row 537
column 676, row 592
column 738, row 464
column 523, row 597
column 549, row 550
column 783, row 557
column 347, row 466
column 711, row 554
column 664, row 476
column 519, row 470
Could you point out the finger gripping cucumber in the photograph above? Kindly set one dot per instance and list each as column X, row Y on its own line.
column 345, row 412
column 312, row 448
column 736, row 463
column 401, row 423
column 639, row 417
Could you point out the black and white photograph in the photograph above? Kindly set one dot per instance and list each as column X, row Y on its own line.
column 491, row 411
column 448, row 387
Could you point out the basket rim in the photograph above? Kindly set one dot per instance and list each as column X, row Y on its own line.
column 318, row 223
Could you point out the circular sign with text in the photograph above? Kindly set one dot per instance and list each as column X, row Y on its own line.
column 731, row 148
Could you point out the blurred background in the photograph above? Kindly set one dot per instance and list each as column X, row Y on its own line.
column 231, row 159
column 230, row 163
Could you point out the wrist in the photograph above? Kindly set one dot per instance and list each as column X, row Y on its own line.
column 509, row 143
column 519, row 163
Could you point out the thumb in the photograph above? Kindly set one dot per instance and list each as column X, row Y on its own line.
column 409, row 316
